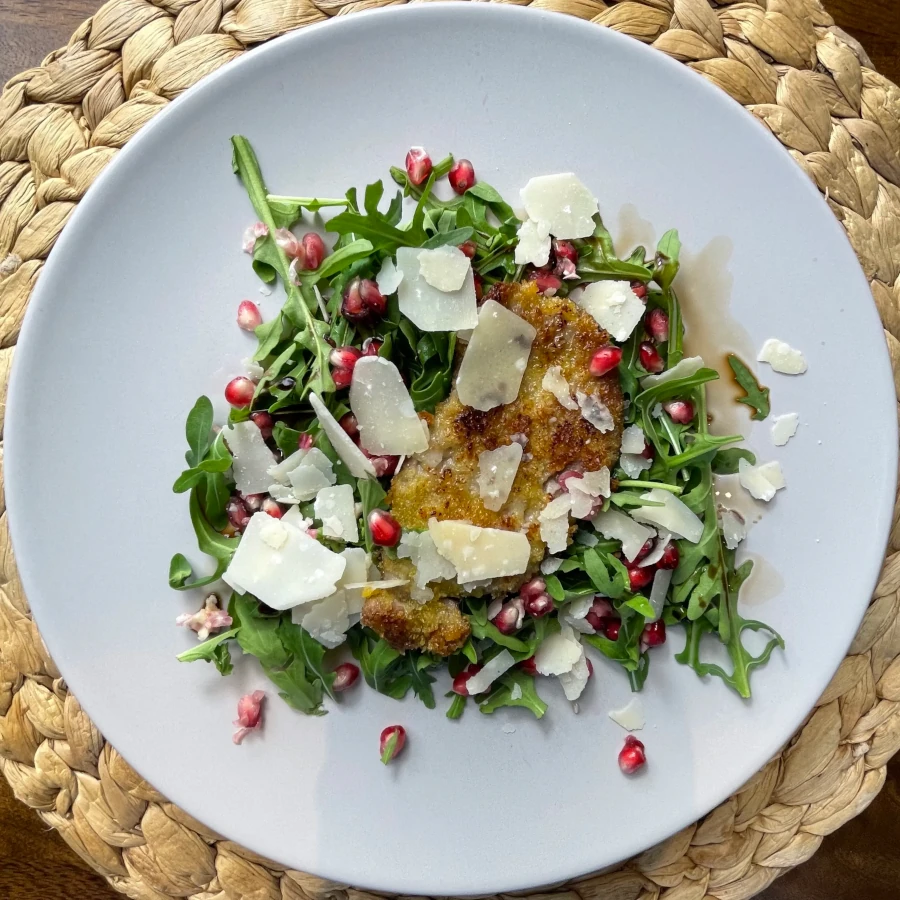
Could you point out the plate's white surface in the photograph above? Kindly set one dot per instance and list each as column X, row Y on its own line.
column 134, row 317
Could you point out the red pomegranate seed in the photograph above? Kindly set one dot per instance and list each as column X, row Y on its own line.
column 305, row 441
column 249, row 317
column 565, row 477
column 249, row 713
column 314, row 248
column 342, row 378
column 238, row 514
column 253, row 502
column 291, row 245
column 372, row 346
column 418, row 165
column 461, row 175
column 507, row 620
column 349, row 424
column 564, row 250
column 392, row 742
column 648, row 546
column 547, row 283
column 640, row 289
column 344, row 357
column 239, row 392
column 362, row 301
column 669, row 559
column 528, row 666
column 605, row 360
column 648, row 452
column 590, row 667
column 264, row 422
column 680, row 411
column 345, row 676
column 539, row 606
column 469, row 249
column 384, row 528
column 639, row 578
column 632, row 756
column 603, row 608
column 650, row 358
column 654, row 634
column 596, row 622
column 479, row 288
column 612, row 628
column 658, row 325
column 384, row 465
column 272, row 508
column 460, row 683
column 533, row 588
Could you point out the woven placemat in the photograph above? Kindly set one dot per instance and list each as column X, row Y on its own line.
column 61, row 123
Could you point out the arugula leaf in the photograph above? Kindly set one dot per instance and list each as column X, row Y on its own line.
column 457, row 707
column 667, row 253
column 725, row 462
column 258, row 634
column 755, row 395
column 197, row 431
column 501, row 694
column 214, row 650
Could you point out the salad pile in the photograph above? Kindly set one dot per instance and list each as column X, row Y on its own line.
column 292, row 497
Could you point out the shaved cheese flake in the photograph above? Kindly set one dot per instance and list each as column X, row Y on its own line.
column 556, row 655
column 584, row 492
column 550, row 564
column 336, row 509
column 388, row 422
column 299, row 571
column 761, row 481
column 444, row 268
column 734, row 527
column 574, row 681
column 563, row 202
column 580, row 606
column 534, row 243
column 554, row 521
column 418, row 547
column 479, row 553
column 252, row 458
column 354, row 578
column 490, row 672
column 294, row 517
column 673, row 515
column 282, row 493
column 496, row 473
column 616, row 526
column 595, row 411
column 659, row 548
column 253, row 369
column 633, row 439
column 282, row 471
column 633, row 464
column 784, row 428
column 556, row 384
column 614, row 306
column 429, row 308
column 495, row 359
column 307, row 481
column 328, row 621
column 686, row 367
column 782, row 357
column 351, row 456
column 389, row 277
column 631, row 716
column 662, row 578
column 514, row 694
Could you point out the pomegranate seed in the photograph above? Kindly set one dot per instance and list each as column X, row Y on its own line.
column 238, row 514
column 291, row 245
column 547, row 283
column 461, row 175
column 384, row 465
column 658, row 325
column 648, row 546
column 239, row 392
column 349, row 424
column 249, row 317
column 648, row 452
column 680, row 411
column 264, row 422
column 640, row 289
column 253, row 502
column 605, row 360
column 272, row 508
column 596, row 622
column 305, row 441
column 460, row 683
column 479, row 288
column 362, row 301
column 565, row 477
column 314, row 248
column 539, row 606
column 344, row 357
column 385, row 529
column 372, row 346
column 342, row 378
column 612, row 627
column 669, row 559
column 632, row 756
column 345, row 676
column 509, row 619
column 393, row 739
column 639, row 578
column 650, row 358
column 654, row 634
column 528, row 666
column 590, row 667
column 602, row 608
column 533, row 588
column 469, row 248
column 249, row 715
column 418, row 165
column 564, row 250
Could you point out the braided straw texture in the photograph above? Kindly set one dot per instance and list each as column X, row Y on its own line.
column 62, row 122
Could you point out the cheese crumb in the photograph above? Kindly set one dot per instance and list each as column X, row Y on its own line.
column 784, row 428
column 534, row 243
column 633, row 439
column 444, row 268
column 782, row 357
column 761, row 481
column 554, row 381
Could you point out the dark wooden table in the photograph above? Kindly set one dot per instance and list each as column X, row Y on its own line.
column 862, row 860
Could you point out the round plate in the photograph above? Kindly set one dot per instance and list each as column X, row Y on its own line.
column 133, row 318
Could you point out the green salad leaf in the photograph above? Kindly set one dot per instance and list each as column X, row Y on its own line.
column 755, row 395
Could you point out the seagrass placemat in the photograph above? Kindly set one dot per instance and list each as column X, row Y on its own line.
column 63, row 122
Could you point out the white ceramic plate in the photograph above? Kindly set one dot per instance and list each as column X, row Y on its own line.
column 134, row 318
